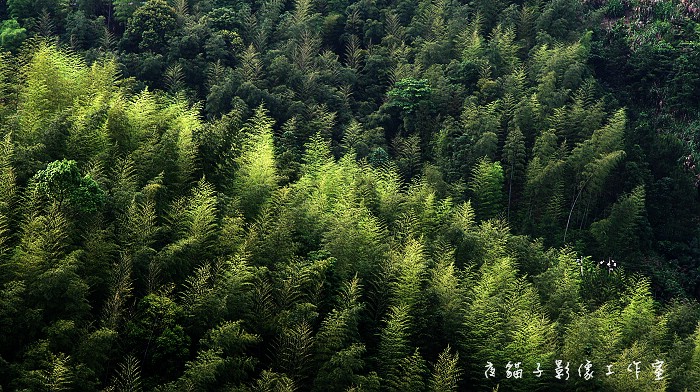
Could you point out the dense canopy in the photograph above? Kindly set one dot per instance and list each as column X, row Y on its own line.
column 309, row 195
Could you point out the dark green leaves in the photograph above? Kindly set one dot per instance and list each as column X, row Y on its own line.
column 407, row 94
column 61, row 182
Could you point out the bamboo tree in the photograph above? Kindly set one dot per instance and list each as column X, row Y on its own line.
column 128, row 376
column 514, row 162
column 446, row 374
column 594, row 159
column 256, row 177
column 486, row 184
column 617, row 233
column 8, row 193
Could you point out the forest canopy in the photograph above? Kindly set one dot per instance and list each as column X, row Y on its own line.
column 270, row 195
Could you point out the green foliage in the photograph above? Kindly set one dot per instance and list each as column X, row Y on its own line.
column 560, row 289
column 124, row 9
column 128, row 378
column 150, row 26
column 446, row 373
column 445, row 286
column 157, row 324
column 339, row 328
column 222, row 361
column 355, row 239
column 61, row 182
column 593, row 160
column 503, row 323
column 57, row 377
column 400, row 369
column 8, row 192
column 23, row 9
column 270, row 381
column 487, row 187
column 58, row 180
column 514, row 163
column 256, row 177
column 52, row 80
column 336, row 345
column 11, row 34
column 349, row 196
column 407, row 94
column 617, row 234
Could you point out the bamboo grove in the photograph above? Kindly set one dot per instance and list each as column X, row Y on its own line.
column 348, row 196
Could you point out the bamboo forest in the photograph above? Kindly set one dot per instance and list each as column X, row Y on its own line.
column 349, row 195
